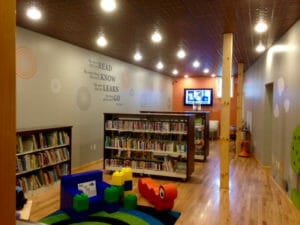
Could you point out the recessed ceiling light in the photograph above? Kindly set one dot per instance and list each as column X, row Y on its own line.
column 213, row 75
column 206, row 70
column 108, row 5
column 175, row 72
column 156, row 37
column 101, row 41
column 186, row 76
column 196, row 64
column 137, row 56
column 260, row 47
column 160, row 65
column 261, row 27
column 34, row 13
column 181, row 54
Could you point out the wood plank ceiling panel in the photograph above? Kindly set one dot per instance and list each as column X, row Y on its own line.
column 197, row 26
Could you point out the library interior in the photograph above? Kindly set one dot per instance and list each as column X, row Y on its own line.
column 150, row 112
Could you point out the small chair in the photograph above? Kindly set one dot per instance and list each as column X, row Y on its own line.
column 213, row 129
column 82, row 193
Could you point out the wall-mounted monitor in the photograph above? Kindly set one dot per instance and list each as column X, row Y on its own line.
column 204, row 96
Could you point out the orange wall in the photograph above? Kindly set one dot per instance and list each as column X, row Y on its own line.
column 202, row 82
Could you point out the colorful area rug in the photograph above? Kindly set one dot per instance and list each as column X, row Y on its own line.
column 142, row 215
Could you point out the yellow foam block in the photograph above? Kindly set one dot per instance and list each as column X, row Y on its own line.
column 117, row 178
column 127, row 173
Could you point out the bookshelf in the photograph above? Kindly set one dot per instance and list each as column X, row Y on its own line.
column 201, row 131
column 201, row 134
column 152, row 144
column 43, row 155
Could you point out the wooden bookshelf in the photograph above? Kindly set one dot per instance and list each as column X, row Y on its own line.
column 153, row 144
column 201, row 131
column 43, row 155
column 201, row 134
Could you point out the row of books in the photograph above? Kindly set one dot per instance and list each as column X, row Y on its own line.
column 142, row 125
column 27, row 143
column 141, row 144
column 41, row 159
column 42, row 178
column 167, row 164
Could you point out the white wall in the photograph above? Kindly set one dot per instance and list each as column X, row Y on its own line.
column 280, row 67
column 62, row 84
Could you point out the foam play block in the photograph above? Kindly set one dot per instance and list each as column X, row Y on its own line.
column 112, row 207
column 128, row 185
column 120, row 190
column 130, row 201
column 80, row 202
column 117, row 178
column 111, row 194
column 127, row 171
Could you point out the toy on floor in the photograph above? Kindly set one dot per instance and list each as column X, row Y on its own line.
column 161, row 196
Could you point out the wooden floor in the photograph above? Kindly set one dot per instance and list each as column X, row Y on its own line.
column 253, row 198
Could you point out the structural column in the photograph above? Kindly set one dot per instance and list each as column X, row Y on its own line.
column 239, row 107
column 225, row 110
column 8, row 112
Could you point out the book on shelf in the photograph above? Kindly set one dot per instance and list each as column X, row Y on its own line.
column 19, row 144
column 35, row 144
column 26, row 143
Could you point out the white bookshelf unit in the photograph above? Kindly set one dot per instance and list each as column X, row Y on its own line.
column 153, row 144
column 43, row 155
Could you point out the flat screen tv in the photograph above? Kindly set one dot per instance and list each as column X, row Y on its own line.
column 204, row 96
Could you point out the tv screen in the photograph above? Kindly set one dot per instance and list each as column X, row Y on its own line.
column 204, row 96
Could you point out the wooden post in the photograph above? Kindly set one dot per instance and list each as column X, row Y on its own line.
column 239, row 107
column 225, row 110
column 8, row 112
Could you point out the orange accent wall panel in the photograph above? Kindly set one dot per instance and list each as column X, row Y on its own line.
column 202, row 82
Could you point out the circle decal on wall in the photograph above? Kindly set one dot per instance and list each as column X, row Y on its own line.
column 55, row 85
column 276, row 111
column 26, row 65
column 286, row 105
column 83, row 98
column 280, row 86
column 131, row 92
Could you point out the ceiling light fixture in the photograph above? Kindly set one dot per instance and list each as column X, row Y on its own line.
column 160, row 65
column 260, row 47
column 108, row 5
column 196, row 64
column 101, row 41
column 261, row 26
column 206, row 70
column 34, row 13
column 213, row 75
column 186, row 76
column 137, row 56
column 156, row 37
column 175, row 72
column 181, row 54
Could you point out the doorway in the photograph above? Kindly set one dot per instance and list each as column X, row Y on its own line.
column 269, row 88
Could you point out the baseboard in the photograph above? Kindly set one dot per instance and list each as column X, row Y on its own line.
column 87, row 165
column 282, row 191
column 268, row 170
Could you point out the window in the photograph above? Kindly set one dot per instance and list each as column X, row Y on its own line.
column 219, row 87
